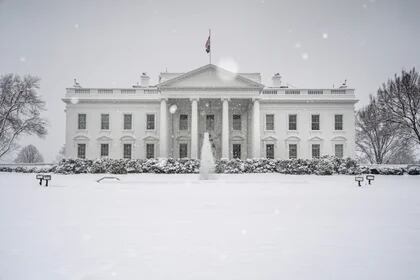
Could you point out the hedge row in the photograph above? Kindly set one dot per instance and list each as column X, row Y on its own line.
column 324, row 166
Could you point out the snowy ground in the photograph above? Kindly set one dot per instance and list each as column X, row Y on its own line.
column 259, row 226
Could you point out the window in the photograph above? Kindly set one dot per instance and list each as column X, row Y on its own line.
column 338, row 122
column 150, row 150
column 81, row 150
column 269, row 150
column 236, row 122
column 81, row 121
column 316, row 150
column 105, row 121
column 292, row 122
column 339, row 150
column 209, row 122
column 104, row 150
column 236, row 151
column 128, row 121
column 292, row 151
column 183, row 150
column 315, row 122
column 269, row 122
column 150, row 121
column 127, row 150
column 183, row 122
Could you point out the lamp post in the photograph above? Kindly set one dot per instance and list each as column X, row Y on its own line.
column 173, row 110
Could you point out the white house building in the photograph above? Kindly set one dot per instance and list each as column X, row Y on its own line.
column 244, row 118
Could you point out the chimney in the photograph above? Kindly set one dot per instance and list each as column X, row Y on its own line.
column 277, row 80
column 144, row 80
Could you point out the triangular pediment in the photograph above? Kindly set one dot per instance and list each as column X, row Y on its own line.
column 269, row 139
column 104, row 139
column 127, row 138
column 315, row 139
column 150, row 138
column 81, row 138
column 210, row 76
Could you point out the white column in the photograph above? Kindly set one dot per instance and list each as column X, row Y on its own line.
column 163, row 127
column 256, row 138
column 225, row 129
column 194, row 129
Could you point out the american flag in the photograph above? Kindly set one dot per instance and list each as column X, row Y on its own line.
column 208, row 45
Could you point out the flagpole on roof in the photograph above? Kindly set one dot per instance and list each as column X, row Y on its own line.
column 210, row 46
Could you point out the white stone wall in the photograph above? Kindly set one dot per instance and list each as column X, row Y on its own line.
column 304, row 136
column 93, row 136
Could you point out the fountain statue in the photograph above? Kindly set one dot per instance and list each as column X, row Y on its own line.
column 207, row 165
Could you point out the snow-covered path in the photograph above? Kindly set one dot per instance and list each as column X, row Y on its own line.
column 255, row 226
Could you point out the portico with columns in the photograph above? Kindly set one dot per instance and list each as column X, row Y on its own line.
column 208, row 98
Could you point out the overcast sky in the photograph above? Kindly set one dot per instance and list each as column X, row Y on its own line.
column 109, row 43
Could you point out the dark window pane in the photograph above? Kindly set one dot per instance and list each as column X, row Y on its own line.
column 292, row 151
column 128, row 120
column 127, row 151
column 150, row 150
column 104, row 150
column 105, row 121
column 339, row 150
column 269, row 122
column 292, row 122
column 183, row 150
column 269, row 150
column 236, row 151
column 150, row 121
column 236, row 122
column 315, row 122
column 183, row 122
column 81, row 150
column 316, row 150
column 338, row 122
column 209, row 122
column 81, row 121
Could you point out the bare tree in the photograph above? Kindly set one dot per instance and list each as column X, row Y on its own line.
column 20, row 108
column 400, row 102
column 29, row 154
column 378, row 140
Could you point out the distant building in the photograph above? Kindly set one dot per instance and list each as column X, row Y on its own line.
column 245, row 119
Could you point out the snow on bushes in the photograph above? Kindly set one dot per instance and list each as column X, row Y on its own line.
column 323, row 166
column 414, row 170
column 326, row 165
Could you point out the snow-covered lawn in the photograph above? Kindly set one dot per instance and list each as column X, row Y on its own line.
column 255, row 226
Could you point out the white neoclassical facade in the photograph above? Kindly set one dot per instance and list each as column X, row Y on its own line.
column 244, row 118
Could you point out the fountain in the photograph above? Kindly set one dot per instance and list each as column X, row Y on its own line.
column 207, row 165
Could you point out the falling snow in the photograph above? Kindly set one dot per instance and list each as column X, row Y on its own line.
column 74, row 100
column 305, row 56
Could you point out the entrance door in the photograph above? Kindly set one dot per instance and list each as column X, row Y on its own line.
column 236, row 151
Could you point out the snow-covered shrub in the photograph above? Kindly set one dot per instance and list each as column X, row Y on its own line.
column 387, row 170
column 73, row 166
column 134, row 166
column 6, row 169
column 414, row 170
column 98, row 166
column 325, row 166
column 116, row 166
